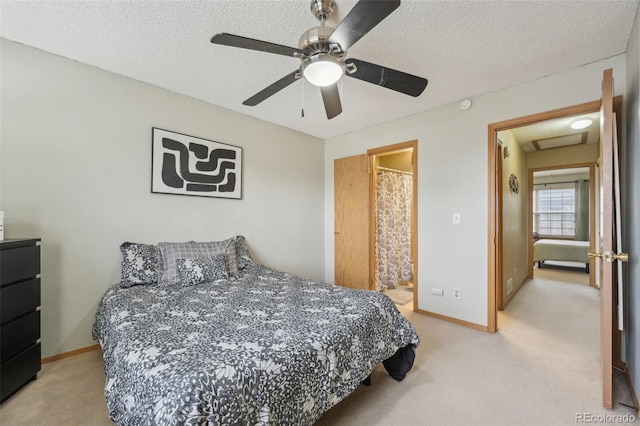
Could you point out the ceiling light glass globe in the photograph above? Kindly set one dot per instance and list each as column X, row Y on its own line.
column 323, row 72
column 581, row 124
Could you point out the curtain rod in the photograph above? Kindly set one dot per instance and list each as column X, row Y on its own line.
column 569, row 181
column 394, row 170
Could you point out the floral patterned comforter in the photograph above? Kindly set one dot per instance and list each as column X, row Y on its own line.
column 266, row 348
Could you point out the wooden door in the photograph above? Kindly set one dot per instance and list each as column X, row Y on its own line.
column 607, row 255
column 351, row 231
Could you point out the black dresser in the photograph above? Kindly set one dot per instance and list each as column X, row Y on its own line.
column 19, row 314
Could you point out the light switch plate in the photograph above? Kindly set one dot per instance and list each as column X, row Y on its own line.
column 455, row 218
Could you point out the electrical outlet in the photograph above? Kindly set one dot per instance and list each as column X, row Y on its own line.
column 437, row 291
column 509, row 286
column 456, row 293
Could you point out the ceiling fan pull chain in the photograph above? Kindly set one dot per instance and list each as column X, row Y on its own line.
column 302, row 110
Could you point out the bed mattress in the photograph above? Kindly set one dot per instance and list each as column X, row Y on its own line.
column 265, row 348
column 561, row 250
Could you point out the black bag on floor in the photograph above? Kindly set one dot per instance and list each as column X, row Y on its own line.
column 399, row 364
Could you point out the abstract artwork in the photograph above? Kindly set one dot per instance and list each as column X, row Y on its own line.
column 187, row 165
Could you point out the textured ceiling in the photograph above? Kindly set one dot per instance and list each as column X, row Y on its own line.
column 558, row 132
column 464, row 48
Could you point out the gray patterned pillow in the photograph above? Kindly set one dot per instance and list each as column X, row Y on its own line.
column 171, row 252
column 139, row 264
column 242, row 252
column 202, row 269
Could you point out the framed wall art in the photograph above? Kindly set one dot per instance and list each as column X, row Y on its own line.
column 187, row 165
column 513, row 184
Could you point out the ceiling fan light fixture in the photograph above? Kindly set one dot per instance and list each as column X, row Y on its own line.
column 322, row 70
column 322, row 51
column 581, row 124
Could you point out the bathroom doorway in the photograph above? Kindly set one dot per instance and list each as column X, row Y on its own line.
column 393, row 237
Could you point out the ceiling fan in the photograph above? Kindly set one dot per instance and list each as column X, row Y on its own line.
column 323, row 50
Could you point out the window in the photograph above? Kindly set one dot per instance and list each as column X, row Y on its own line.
column 554, row 212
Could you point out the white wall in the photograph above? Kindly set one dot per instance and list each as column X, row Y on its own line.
column 453, row 177
column 563, row 156
column 75, row 171
column 515, row 211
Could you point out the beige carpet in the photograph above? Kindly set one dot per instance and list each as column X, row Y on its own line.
column 541, row 368
column 67, row 392
column 562, row 271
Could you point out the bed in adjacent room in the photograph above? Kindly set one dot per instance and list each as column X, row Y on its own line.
column 561, row 250
column 222, row 339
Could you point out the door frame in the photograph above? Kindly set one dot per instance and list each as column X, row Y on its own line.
column 610, row 341
column 592, row 214
column 494, row 257
column 390, row 149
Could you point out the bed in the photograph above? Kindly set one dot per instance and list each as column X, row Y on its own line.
column 262, row 347
column 561, row 250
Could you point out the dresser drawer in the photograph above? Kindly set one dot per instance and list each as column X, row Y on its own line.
column 19, row 263
column 18, row 335
column 19, row 370
column 19, row 299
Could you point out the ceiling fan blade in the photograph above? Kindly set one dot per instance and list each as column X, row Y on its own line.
column 331, row 99
column 386, row 77
column 365, row 15
column 259, row 45
column 273, row 89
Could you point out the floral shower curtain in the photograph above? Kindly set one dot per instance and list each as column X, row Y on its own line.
column 393, row 229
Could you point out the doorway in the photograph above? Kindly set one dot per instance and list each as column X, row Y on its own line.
column 393, row 222
column 609, row 337
column 563, row 219
column 496, row 292
column 355, row 217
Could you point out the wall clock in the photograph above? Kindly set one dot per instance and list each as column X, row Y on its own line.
column 513, row 183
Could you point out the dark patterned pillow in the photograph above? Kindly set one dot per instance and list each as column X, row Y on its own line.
column 139, row 264
column 242, row 252
column 202, row 269
column 160, row 262
column 171, row 252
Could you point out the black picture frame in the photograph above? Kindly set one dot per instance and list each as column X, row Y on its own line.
column 188, row 165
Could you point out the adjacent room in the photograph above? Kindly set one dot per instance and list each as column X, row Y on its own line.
column 330, row 212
